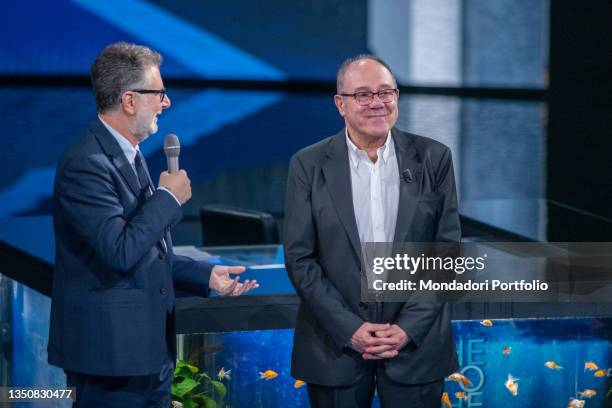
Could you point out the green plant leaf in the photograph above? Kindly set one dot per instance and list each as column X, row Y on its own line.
column 181, row 388
column 209, row 403
column 204, row 401
column 180, row 364
column 190, row 404
column 219, row 388
column 183, row 364
column 183, row 373
column 174, row 395
column 182, row 370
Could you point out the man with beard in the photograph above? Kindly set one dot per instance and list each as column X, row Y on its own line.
column 371, row 182
column 112, row 311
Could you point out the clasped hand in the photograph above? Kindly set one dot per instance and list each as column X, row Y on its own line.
column 225, row 285
column 378, row 341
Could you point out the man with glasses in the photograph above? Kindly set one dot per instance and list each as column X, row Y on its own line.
column 112, row 310
column 371, row 182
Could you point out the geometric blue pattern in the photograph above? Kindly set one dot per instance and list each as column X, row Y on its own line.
column 202, row 52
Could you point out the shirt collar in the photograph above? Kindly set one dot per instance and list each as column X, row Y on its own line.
column 128, row 150
column 356, row 155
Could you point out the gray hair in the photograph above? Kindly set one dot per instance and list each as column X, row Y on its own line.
column 118, row 68
column 349, row 61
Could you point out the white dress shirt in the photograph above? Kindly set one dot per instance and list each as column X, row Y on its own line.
column 375, row 188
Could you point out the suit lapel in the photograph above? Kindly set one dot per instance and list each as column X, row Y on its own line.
column 337, row 175
column 411, row 174
column 111, row 148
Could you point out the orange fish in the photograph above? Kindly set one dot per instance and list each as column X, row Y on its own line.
column 507, row 350
column 446, row 400
column 298, row 384
column 460, row 378
column 268, row 374
column 487, row 323
column 589, row 365
column 461, row 395
column 511, row 385
column 553, row 365
column 576, row 403
column 587, row 393
column 603, row 373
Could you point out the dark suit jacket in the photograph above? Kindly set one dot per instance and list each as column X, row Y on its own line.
column 323, row 258
column 113, row 289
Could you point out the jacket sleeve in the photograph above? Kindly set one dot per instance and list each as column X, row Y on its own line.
column 86, row 195
column 313, row 287
column 190, row 275
column 416, row 319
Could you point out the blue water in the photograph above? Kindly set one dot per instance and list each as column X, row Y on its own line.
column 569, row 342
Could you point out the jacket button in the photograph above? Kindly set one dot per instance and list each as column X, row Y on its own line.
column 163, row 291
column 161, row 255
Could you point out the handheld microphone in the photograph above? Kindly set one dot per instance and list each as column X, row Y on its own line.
column 407, row 175
column 172, row 149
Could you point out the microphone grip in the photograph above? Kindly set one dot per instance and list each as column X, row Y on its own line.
column 173, row 164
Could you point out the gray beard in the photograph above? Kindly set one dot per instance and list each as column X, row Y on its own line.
column 141, row 132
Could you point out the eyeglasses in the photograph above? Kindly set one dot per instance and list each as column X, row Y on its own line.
column 366, row 98
column 161, row 92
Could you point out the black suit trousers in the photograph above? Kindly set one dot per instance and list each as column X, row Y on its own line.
column 140, row 391
column 390, row 393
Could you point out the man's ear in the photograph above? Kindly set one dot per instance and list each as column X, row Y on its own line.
column 339, row 101
column 128, row 103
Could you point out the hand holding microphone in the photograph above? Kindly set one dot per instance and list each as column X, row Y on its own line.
column 178, row 184
column 174, row 179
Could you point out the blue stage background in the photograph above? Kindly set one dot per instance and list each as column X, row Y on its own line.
column 237, row 143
